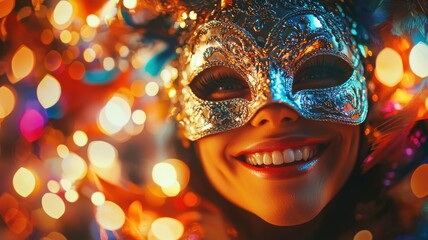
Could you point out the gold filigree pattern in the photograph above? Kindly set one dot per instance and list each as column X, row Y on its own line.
column 266, row 45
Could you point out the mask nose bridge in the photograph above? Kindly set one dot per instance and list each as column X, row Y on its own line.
column 277, row 83
column 280, row 84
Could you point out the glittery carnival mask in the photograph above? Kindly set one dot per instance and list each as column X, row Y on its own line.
column 250, row 54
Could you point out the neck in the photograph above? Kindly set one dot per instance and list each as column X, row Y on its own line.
column 336, row 217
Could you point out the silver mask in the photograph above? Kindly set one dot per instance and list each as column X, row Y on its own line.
column 267, row 44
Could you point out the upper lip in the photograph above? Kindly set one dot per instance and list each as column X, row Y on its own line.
column 280, row 144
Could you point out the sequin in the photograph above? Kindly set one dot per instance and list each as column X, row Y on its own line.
column 266, row 43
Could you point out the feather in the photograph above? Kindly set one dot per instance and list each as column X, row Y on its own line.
column 410, row 24
column 391, row 135
column 404, row 16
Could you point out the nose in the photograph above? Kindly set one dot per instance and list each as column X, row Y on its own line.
column 274, row 114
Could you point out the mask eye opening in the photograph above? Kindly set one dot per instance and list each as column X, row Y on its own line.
column 220, row 83
column 321, row 71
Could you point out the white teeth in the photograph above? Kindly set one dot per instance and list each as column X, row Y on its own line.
column 277, row 158
column 298, row 154
column 305, row 153
column 267, row 159
column 251, row 160
column 259, row 158
column 287, row 156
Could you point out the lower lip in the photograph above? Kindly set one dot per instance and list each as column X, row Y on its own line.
column 284, row 171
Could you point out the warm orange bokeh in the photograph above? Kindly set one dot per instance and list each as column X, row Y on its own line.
column 418, row 181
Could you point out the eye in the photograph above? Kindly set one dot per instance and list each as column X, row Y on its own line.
column 322, row 71
column 220, row 83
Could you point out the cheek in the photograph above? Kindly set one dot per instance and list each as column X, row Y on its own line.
column 346, row 154
column 211, row 154
column 220, row 171
column 350, row 146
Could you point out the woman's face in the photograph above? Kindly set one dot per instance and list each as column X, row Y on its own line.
column 280, row 166
column 251, row 80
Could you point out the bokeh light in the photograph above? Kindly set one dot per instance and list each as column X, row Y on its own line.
column 98, row 198
column 123, row 51
column 401, row 96
column 80, row 138
column 89, row 55
column 139, row 117
column 48, row 91
column 118, row 111
column 363, row 235
column 65, row 184
column 418, row 59
column 166, row 76
column 24, row 182
column 191, row 199
column 172, row 190
column 172, row 93
column 182, row 170
column 53, row 205
column 152, row 89
column 166, row 228
column 71, row 195
column 6, row 6
column 22, row 63
column 389, row 67
column 74, row 167
column 115, row 115
column 62, row 150
column 105, row 125
column 418, row 181
column 164, row 174
column 193, row 15
column 172, row 175
column 31, row 125
column 108, row 63
column 47, row 36
column 87, row 33
column 54, row 236
column 77, row 70
column 53, row 60
column 7, row 103
column 130, row 4
column 53, row 186
column 65, row 36
column 110, row 216
column 101, row 154
column 62, row 14
column 93, row 20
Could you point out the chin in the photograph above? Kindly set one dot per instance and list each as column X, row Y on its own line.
column 290, row 217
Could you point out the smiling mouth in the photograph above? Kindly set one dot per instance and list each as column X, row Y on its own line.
column 283, row 157
column 283, row 163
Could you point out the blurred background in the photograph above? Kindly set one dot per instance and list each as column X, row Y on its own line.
column 84, row 124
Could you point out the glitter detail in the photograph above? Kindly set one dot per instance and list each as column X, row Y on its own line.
column 266, row 43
